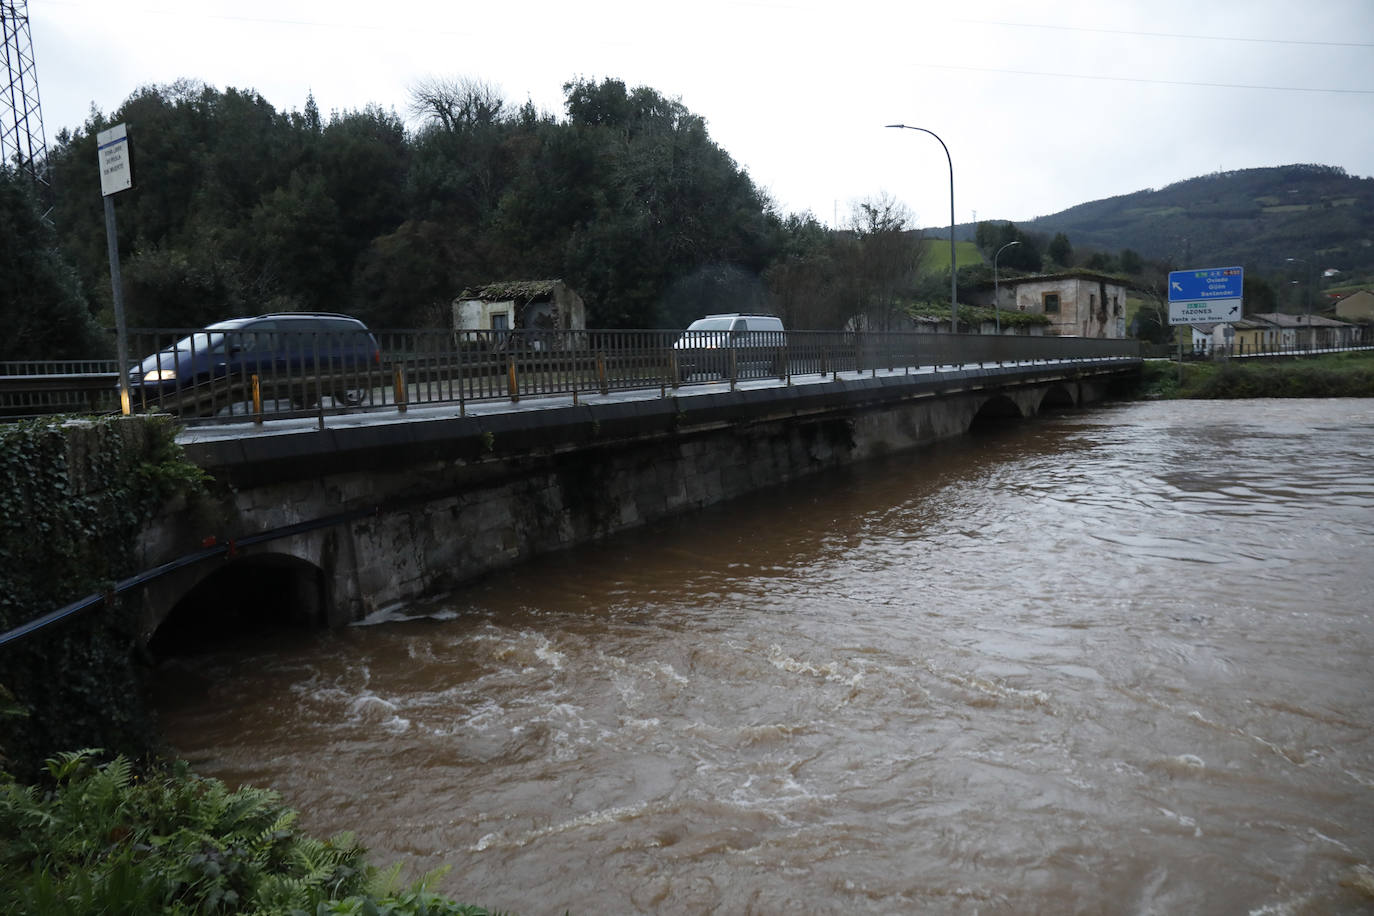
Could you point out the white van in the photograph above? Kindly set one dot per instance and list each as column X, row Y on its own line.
column 732, row 346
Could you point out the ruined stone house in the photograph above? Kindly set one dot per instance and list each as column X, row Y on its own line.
column 520, row 305
column 1078, row 303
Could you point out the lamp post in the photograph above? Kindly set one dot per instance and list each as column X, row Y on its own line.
column 1308, row 298
column 1311, row 335
column 953, row 279
column 996, row 306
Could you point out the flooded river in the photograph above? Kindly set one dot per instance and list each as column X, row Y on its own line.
column 1112, row 661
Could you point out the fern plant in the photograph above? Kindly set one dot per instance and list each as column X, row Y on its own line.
column 104, row 839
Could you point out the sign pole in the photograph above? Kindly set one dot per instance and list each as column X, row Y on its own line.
column 121, row 332
column 116, row 174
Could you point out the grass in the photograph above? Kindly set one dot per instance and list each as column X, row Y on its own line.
column 935, row 255
column 1336, row 375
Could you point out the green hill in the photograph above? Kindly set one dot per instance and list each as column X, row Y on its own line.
column 935, row 254
column 1257, row 218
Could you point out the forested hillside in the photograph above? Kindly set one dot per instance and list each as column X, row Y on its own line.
column 1257, row 218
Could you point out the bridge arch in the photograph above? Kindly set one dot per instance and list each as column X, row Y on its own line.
column 1059, row 397
column 997, row 410
column 240, row 599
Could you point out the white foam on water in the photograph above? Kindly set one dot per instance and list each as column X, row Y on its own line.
column 1292, row 755
column 992, row 689
column 775, row 793
column 1283, row 907
column 488, row 715
column 1182, row 820
column 1316, row 834
column 545, row 653
column 670, row 673
column 396, row 725
column 828, row 671
column 384, row 614
column 397, row 612
column 590, row 819
column 371, row 708
column 369, row 703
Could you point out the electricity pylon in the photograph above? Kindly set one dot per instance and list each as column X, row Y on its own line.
column 22, row 144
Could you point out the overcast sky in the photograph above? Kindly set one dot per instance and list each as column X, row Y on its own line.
column 1043, row 105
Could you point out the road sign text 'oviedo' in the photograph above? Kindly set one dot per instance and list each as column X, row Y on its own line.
column 1208, row 295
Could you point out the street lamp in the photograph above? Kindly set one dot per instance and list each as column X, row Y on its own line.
column 1311, row 335
column 953, row 282
column 996, row 310
column 1309, row 280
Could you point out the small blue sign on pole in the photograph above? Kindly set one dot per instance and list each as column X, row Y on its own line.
column 1206, row 296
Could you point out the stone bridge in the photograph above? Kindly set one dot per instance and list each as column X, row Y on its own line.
column 329, row 523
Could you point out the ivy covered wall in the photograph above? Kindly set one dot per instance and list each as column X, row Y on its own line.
column 74, row 497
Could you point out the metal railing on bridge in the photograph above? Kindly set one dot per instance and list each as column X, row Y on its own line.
column 233, row 376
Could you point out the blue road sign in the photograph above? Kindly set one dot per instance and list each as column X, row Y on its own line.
column 1205, row 284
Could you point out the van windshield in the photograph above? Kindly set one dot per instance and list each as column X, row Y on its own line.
column 711, row 324
column 201, row 342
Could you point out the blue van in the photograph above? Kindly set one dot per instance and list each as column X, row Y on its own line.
column 299, row 356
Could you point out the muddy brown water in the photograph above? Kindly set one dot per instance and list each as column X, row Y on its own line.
column 1112, row 661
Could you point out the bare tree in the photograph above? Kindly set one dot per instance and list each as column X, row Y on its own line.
column 456, row 102
column 887, row 256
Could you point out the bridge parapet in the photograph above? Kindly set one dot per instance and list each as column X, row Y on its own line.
column 434, row 367
column 390, row 511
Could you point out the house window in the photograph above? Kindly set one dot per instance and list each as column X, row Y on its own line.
column 1092, row 301
column 500, row 321
column 1051, row 303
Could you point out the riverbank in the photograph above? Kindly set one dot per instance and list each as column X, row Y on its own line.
column 1335, row 375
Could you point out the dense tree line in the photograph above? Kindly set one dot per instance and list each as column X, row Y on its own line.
column 44, row 311
column 239, row 209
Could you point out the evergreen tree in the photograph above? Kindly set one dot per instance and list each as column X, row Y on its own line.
column 44, row 313
column 1060, row 251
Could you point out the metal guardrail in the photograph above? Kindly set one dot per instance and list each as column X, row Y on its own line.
column 240, row 375
column 58, row 367
column 1246, row 351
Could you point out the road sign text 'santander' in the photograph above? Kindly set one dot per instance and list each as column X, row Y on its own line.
column 1207, row 296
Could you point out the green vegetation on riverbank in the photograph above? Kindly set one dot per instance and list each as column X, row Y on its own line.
column 74, row 497
column 1337, row 375
column 103, row 838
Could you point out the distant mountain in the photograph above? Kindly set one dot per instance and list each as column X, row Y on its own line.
column 1255, row 218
